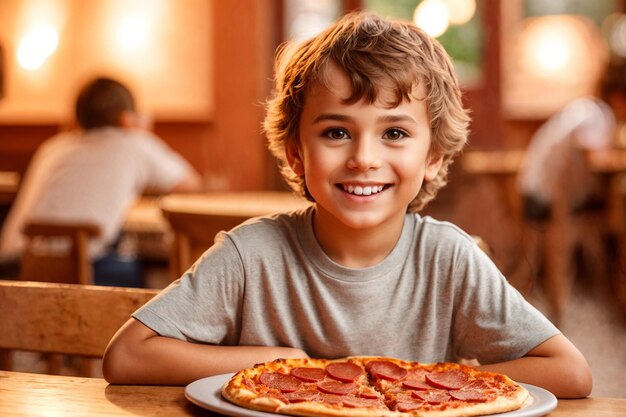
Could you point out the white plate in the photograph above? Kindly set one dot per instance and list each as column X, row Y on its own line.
column 206, row 393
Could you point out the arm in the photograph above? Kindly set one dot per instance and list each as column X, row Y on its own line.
column 191, row 182
column 138, row 355
column 556, row 365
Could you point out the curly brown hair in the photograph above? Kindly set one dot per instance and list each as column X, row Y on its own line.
column 372, row 51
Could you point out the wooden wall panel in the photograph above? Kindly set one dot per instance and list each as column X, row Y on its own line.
column 236, row 154
column 227, row 148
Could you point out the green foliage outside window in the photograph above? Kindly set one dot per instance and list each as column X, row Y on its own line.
column 597, row 10
column 464, row 43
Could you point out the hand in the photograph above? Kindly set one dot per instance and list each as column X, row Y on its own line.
column 290, row 353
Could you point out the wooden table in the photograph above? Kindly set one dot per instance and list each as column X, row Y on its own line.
column 32, row 395
column 503, row 166
column 9, row 184
column 197, row 218
column 194, row 219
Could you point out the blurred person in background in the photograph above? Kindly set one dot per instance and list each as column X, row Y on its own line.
column 94, row 173
column 556, row 182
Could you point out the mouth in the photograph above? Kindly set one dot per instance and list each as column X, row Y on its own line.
column 363, row 189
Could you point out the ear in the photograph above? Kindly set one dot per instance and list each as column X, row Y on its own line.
column 292, row 152
column 432, row 168
column 127, row 119
column 133, row 120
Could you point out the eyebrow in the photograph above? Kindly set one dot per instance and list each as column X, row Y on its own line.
column 332, row 117
column 390, row 118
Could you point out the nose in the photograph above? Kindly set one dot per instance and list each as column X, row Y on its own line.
column 365, row 154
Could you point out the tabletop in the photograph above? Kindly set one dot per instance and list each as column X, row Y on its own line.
column 9, row 185
column 243, row 204
column 146, row 214
column 26, row 394
column 508, row 161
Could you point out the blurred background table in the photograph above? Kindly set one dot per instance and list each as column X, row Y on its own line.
column 9, row 184
column 197, row 218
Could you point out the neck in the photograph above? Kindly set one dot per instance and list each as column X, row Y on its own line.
column 356, row 247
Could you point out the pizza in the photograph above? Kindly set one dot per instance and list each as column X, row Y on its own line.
column 368, row 386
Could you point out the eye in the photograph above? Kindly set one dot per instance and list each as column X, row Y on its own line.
column 336, row 133
column 394, row 134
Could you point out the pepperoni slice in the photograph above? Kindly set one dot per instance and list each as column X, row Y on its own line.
column 336, row 387
column 405, row 406
column 300, row 396
column 331, row 399
column 469, row 395
column 478, row 385
column 249, row 384
column 417, row 374
column 386, row 370
column 416, row 384
column 308, row 374
column 433, row 396
column 282, row 382
column 452, row 379
column 357, row 402
column 344, row 371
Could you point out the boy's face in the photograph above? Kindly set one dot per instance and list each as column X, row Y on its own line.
column 363, row 163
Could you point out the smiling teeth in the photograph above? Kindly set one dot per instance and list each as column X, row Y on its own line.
column 367, row 190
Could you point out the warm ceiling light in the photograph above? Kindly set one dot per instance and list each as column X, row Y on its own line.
column 617, row 33
column 554, row 45
column 461, row 11
column 432, row 16
column 132, row 31
column 38, row 44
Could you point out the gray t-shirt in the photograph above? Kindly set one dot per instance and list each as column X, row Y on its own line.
column 435, row 297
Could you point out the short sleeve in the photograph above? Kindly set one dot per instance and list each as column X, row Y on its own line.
column 161, row 167
column 204, row 305
column 493, row 322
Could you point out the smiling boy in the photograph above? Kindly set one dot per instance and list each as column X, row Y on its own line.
column 365, row 121
column 363, row 165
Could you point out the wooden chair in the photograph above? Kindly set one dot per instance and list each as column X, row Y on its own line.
column 67, row 319
column 71, row 264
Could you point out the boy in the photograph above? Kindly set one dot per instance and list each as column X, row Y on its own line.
column 93, row 174
column 363, row 115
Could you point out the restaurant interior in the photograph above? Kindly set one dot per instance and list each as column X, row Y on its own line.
column 202, row 71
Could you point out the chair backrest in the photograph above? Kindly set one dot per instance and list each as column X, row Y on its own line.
column 193, row 234
column 69, row 264
column 68, row 319
column 196, row 219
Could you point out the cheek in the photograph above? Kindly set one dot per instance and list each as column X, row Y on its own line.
column 410, row 167
column 318, row 160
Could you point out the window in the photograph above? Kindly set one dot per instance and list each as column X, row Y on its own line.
column 455, row 23
column 553, row 52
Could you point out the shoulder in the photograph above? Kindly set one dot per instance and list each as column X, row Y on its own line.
column 444, row 243
column 445, row 232
column 61, row 139
column 259, row 243
column 139, row 138
column 269, row 231
column 54, row 148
